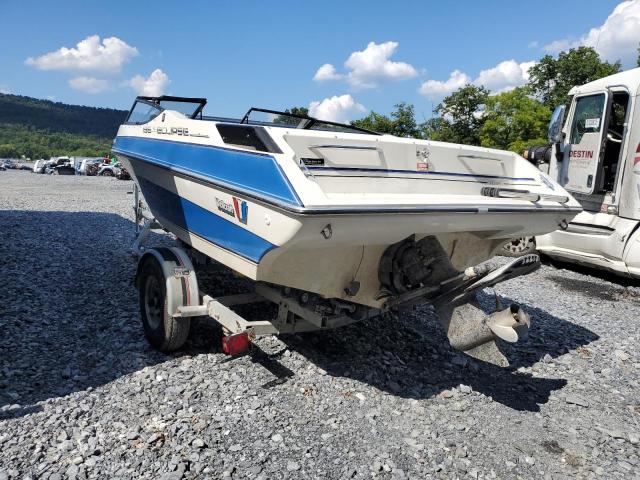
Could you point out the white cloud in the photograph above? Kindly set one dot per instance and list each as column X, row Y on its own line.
column 533, row 44
column 616, row 39
column 369, row 67
column 505, row 76
column 5, row 90
column 438, row 88
column 559, row 45
column 327, row 72
column 152, row 86
column 336, row 109
column 89, row 54
column 89, row 84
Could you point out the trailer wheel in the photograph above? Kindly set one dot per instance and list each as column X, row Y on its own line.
column 164, row 332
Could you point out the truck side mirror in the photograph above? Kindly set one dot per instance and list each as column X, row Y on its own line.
column 555, row 125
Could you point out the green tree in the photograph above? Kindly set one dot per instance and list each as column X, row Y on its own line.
column 401, row 122
column 439, row 129
column 17, row 140
column 375, row 121
column 638, row 60
column 514, row 121
column 551, row 79
column 460, row 116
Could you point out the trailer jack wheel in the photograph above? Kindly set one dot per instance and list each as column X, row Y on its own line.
column 164, row 331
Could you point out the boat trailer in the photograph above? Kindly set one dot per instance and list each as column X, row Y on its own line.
column 170, row 296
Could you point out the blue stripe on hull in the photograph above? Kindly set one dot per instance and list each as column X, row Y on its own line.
column 211, row 227
column 256, row 173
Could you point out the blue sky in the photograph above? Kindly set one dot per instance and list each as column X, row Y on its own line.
column 257, row 53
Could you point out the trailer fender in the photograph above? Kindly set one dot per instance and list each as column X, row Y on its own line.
column 181, row 281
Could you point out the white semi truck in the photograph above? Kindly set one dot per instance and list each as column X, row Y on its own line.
column 595, row 155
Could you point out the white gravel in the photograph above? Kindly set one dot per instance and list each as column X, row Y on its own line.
column 82, row 395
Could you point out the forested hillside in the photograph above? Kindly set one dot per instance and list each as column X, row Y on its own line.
column 41, row 128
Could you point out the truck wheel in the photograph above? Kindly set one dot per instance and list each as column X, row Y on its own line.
column 517, row 247
column 164, row 332
column 107, row 173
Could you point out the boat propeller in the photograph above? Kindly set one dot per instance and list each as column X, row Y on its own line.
column 510, row 324
column 472, row 331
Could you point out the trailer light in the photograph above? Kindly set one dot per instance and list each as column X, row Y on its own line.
column 235, row 344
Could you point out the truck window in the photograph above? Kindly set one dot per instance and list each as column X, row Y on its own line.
column 587, row 116
column 614, row 138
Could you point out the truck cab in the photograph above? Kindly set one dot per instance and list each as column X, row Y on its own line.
column 595, row 155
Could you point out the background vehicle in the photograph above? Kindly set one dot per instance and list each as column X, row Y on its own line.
column 112, row 170
column 123, row 174
column 59, row 166
column 81, row 164
column 91, row 168
column 10, row 164
column 595, row 155
column 37, row 165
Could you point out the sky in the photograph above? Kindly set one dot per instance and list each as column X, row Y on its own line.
column 341, row 59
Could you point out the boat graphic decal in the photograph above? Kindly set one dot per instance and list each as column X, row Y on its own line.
column 241, row 209
column 225, row 207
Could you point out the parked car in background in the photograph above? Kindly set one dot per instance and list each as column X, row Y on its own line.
column 37, row 165
column 112, row 170
column 45, row 165
column 87, row 165
column 92, row 168
column 59, row 166
column 10, row 164
column 123, row 174
column 2, row 167
column 64, row 166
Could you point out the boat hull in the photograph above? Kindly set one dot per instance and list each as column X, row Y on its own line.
column 315, row 210
column 315, row 250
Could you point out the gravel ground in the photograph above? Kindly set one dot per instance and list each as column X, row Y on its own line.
column 82, row 395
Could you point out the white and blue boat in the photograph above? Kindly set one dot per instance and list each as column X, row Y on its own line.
column 328, row 208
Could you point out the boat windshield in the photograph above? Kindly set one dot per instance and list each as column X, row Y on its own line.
column 261, row 116
column 190, row 107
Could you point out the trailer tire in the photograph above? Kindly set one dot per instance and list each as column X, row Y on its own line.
column 164, row 332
